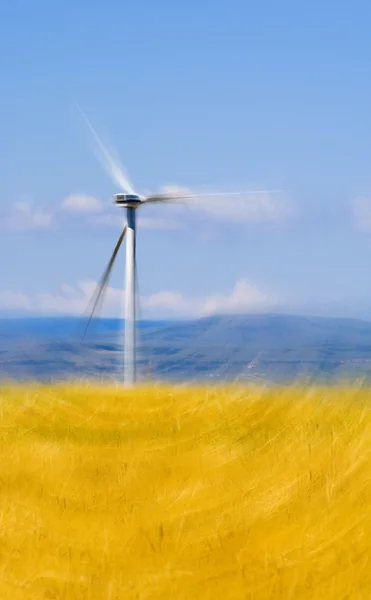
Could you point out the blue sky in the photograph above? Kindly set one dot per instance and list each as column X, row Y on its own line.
column 234, row 95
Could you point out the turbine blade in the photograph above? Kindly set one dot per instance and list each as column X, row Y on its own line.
column 98, row 295
column 114, row 170
column 161, row 198
column 176, row 197
column 246, row 193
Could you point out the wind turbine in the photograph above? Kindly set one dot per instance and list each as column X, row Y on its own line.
column 131, row 201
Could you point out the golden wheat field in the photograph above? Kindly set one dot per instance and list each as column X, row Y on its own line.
column 176, row 492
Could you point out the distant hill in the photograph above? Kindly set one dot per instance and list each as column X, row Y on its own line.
column 268, row 347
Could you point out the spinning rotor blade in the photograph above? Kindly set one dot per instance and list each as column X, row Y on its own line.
column 101, row 287
column 179, row 197
column 161, row 198
column 114, row 170
column 249, row 193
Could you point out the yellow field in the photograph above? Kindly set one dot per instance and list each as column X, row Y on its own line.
column 238, row 493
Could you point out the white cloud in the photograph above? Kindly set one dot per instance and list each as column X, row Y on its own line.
column 361, row 208
column 25, row 216
column 74, row 301
column 169, row 302
column 14, row 301
column 81, row 203
column 243, row 298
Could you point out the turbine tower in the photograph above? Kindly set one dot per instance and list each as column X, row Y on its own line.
column 131, row 202
column 130, row 312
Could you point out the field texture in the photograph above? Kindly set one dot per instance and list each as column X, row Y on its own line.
column 174, row 493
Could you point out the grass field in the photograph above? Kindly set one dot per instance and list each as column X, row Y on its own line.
column 231, row 493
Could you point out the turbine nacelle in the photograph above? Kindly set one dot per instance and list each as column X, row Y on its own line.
column 127, row 200
column 134, row 200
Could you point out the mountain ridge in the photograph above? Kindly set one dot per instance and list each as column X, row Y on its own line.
column 270, row 346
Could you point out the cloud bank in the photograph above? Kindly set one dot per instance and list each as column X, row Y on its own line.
column 81, row 203
column 70, row 300
column 88, row 211
column 26, row 216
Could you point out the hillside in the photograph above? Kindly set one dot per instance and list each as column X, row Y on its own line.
column 234, row 493
column 269, row 347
